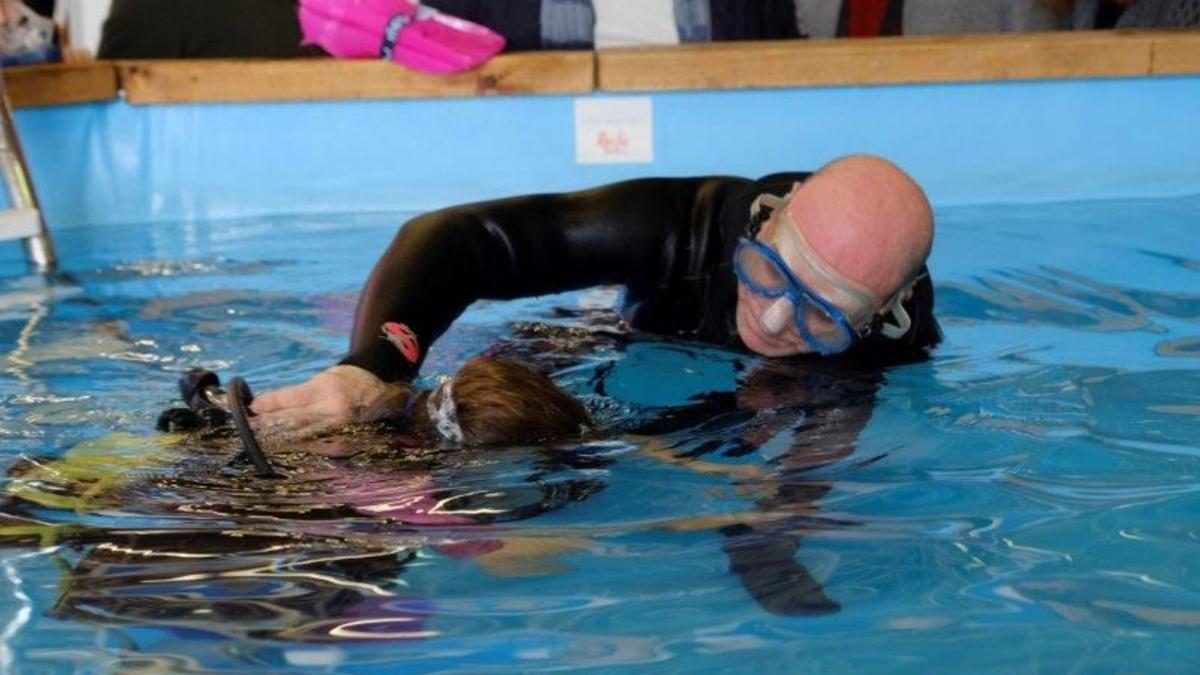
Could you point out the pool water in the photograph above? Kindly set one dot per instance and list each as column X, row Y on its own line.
column 1026, row 499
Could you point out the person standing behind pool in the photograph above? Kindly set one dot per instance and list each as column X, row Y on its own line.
column 828, row 264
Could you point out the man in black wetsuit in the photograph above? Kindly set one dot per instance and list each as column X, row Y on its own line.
column 829, row 263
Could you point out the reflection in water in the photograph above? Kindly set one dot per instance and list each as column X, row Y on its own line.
column 1186, row 263
column 788, row 417
column 1188, row 347
column 1057, row 297
column 316, row 557
column 233, row 584
column 132, row 270
column 1147, row 407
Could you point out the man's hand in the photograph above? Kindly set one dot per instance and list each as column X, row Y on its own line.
column 337, row 396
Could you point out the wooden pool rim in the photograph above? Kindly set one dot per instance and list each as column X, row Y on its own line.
column 714, row 66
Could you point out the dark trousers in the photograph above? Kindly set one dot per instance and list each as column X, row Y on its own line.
column 166, row 29
column 43, row 7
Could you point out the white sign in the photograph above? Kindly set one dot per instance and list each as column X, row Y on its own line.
column 614, row 130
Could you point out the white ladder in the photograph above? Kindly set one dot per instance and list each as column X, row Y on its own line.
column 23, row 220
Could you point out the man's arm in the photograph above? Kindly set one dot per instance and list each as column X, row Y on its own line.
column 629, row 233
column 441, row 262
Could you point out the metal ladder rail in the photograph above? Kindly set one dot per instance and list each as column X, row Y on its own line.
column 24, row 219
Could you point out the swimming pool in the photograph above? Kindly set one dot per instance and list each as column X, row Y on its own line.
column 1024, row 500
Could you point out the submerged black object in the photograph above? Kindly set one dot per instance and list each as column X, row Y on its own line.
column 209, row 406
column 201, row 391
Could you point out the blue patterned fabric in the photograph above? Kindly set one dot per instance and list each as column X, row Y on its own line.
column 693, row 20
column 756, row 20
column 567, row 24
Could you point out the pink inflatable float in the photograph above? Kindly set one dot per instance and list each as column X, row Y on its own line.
column 406, row 32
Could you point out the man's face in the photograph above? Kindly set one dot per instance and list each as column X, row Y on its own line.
column 751, row 307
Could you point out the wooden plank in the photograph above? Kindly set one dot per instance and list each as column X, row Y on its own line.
column 1176, row 53
column 325, row 79
column 792, row 63
column 960, row 58
column 57, row 84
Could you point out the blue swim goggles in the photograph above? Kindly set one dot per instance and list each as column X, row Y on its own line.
column 829, row 313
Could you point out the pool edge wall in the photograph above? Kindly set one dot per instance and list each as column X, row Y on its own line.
column 1010, row 141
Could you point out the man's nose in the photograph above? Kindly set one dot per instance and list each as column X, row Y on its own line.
column 777, row 317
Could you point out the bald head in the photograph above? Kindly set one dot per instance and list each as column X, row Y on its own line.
column 854, row 234
column 868, row 220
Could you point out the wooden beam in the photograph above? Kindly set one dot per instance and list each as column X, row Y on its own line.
column 219, row 80
column 899, row 60
column 57, row 84
column 728, row 65
column 1175, row 53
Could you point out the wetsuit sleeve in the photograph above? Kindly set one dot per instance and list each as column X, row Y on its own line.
column 440, row 262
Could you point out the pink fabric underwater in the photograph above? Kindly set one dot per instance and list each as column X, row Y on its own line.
column 408, row 33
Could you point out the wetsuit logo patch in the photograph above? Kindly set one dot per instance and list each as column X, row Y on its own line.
column 403, row 338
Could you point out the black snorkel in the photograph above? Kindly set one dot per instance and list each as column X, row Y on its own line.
column 210, row 406
column 239, row 398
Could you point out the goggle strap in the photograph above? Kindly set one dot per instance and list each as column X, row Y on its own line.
column 764, row 201
column 896, row 310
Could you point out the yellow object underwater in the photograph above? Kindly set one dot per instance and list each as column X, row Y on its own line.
column 90, row 475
